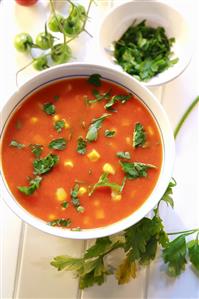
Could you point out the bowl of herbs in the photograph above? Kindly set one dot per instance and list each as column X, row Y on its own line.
column 149, row 40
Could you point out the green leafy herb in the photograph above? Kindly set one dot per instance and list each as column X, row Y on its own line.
column 193, row 247
column 56, row 97
column 65, row 204
column 98, row 97
column 169, row 191
column 95, row 79
column 121, row 98
column 104, row 182
column 49, row 108
column 59, row 125
column 144, row 51
column 58, row 144
column 44, row 165
column 81, row 146
column 75, row 200
column 36, row 149
column 92, row 133
column 33, row 185
column 123, row 155
column 60, row 222
column 139, row 135
column 16, row 144
column 109, row 133
column 134, row 170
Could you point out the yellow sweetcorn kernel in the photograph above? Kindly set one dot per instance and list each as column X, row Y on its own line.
column 108, row 168
column 150, row 130
column 116, row 196
column 69, row 163
column 34, row 120
column 56, row 117
column 93, row 155
column 66, row 124
column 51, row 217
column 82, row 191
column 86, row 220
column 100, row 214
column 61, row 194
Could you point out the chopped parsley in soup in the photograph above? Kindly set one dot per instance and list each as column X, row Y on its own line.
column 81, row 153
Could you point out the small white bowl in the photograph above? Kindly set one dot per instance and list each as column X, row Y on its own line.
column 145, row 96
column 118, row 20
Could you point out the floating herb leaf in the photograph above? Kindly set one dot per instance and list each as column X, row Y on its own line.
column 92, row 133
column 33, row 185
column 59, row 125
column 58, row 144
column 65, row 204
column 123, row 155
column 75, row 199
column 44, row 165
column 139, row 135
column 104, row 182
column 81, row 146
column 49, row 108
column 134, row 170
column 109, row 133
column 118, row 98
column 99, row 97
column 16, row 144
column 60, row 222
column 95, row 79
column 36, row 149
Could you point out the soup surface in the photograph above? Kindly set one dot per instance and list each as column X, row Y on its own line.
column 81, row 153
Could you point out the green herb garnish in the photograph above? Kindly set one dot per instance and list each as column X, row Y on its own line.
column 92, row 133
column 144, row 51
column 123, row 155
column 33, row 185
column 56, row 97
column 58, row 144
column 81, row 146
column 98, row 97
column 36, row 149
column 134, row 170
column 120, row 98
column 95, row 79
column 75, row 200
column 109, row 133
column 44, row 165
column 65, row 204
column 60, row 222
column 59, row 125
column 16, row 144
column 139, row 135
column 49, row 108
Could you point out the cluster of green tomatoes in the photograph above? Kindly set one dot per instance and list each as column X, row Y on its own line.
column 55, row 53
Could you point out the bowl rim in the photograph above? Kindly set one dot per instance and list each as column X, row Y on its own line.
column 166, row 169
column 159, row 81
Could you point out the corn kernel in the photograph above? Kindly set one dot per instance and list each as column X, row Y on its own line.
column 66, row 124
column 128, row 140
column 116, row 196
column 38, row 139
column 96, row 203
column 86, row 220
column 150, row 130
column 61, row 194
column 56, row 117
column 126, row 123
column 51, row 217
column 34, row 120
column 93, row 155
column 108, row 168
column 82, row 191
column 100, row 214
column 69, row 163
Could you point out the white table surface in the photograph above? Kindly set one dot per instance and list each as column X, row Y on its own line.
column 25, row 252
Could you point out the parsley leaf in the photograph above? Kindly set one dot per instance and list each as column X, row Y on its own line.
column 118, row 98
column 93, row 129
column 59, row 125
column 169, row 191
column 134, row 170
column 174, row 255
column 109, row 133
column 123, row 155
column 65, row 204
column 98, row 97
column 36, row 149
column 16, row 144
column 126, row 271
column 44, row 165
column 58, row 144
column 193, row 249
column 68, row 263
column 139, row 135
column 81, row 146
column 49, row 108
column 75, row 200
column 33, row 185
column 95, row 79
column 60, row 222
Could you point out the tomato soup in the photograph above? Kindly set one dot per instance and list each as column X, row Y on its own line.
column 81, row 153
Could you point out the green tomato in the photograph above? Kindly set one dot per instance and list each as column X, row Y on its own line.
column 78, row 12
column 53, row 23
column 44, row 40
column 23, row 42
column 60, row 53
column 40, row 63
column 72, row 27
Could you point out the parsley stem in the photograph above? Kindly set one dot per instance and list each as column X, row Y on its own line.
column 190, row 231
column 184, row 117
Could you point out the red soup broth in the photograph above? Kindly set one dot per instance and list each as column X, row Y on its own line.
column 52, row 201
